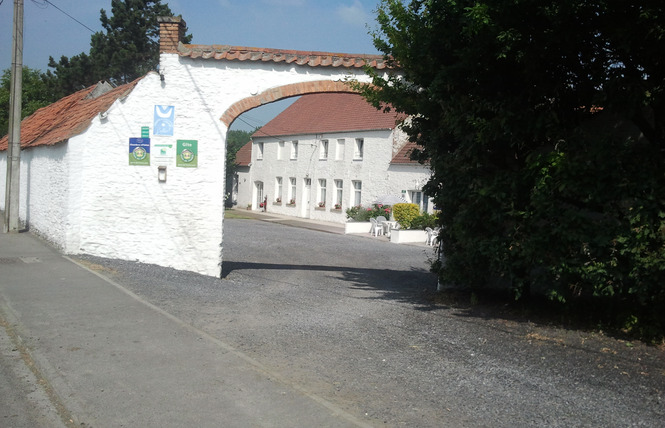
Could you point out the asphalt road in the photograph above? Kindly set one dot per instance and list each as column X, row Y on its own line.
column 24, row 401
column 349, row 319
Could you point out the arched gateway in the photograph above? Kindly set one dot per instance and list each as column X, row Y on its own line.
column 137, row 172
column 209, row 87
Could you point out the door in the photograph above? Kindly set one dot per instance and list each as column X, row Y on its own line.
column 306, row 197
column 258, row 185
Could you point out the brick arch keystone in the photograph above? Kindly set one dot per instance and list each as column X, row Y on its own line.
column 280, row 92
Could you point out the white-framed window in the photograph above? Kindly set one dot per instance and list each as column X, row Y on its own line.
column 294, row 150
column 420, row 199
column 280, row 150
column 278, row 189
column 358, row 149
column 339, row 193
column 339, row 149
column 292, row 190
column 259, row 151
column 357, row 192
column 323, row 150
column 322, row 192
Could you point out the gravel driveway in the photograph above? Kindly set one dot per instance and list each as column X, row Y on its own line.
column 348, row 318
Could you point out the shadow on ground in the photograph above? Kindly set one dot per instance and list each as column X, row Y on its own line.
column 412, row 286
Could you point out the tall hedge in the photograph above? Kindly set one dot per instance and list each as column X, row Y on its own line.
column 544, row 125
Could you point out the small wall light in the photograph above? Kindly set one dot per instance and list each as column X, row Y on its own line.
column 161, row 174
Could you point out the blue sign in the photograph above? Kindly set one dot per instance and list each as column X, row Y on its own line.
column 164, row 120
column 139, row 151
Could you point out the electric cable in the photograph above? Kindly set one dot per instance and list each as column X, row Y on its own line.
column 46, row 3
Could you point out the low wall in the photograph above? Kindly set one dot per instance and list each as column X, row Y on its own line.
column 357, row 227
column 403, row 236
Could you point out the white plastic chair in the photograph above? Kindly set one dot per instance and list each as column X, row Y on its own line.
column 431, row 236
column 377, row 229
column 381, row 223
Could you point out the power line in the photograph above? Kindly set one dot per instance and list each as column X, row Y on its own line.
column 48, row 2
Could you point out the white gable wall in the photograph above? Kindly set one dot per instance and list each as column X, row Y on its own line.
column 125, row 212
column 408, row 178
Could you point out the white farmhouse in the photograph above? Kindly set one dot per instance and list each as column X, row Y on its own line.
column 326, row 153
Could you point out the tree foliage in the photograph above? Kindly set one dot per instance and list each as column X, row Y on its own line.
column 127, row 48
column 234, row 141
column 35, row 95
column 544, row 124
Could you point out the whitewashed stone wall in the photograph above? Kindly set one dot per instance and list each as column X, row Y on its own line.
column 409, row 177
column 84, row 196
column 44, row 191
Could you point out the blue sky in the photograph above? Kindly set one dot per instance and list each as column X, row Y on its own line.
column 312, row 25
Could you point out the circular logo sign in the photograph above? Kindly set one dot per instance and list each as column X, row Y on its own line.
column 187, row 156
column 139, row 153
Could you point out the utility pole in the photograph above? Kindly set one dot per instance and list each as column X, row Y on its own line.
column 14, row 146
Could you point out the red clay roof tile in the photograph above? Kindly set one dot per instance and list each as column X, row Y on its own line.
column 66, row 118
column 328, row 112
column 403, row 156
column 311, row 58
column 244, row 155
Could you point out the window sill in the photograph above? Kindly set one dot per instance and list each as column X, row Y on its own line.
column 290, row 205
column 277, row 203
column 320, row 208
column 335, row 210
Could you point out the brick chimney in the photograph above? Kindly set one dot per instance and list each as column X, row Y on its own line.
column 171, row 31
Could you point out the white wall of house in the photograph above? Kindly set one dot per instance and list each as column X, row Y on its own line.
column 409, row 179
column 373, row 171
column 84, row 196
column 44, row 191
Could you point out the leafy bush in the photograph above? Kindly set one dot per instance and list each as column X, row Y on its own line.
column 405, row 214
column 425, row 220
column 360, row 213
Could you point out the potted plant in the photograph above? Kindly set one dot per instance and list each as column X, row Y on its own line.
column 338, row 206
column 322, row 204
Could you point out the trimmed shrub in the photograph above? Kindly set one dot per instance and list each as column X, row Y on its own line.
column 405, row 214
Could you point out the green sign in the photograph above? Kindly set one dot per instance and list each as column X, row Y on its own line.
column 139, row 151
column 145, row 132
column 187, row 153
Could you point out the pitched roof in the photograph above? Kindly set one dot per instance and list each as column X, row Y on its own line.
column 244, row 155
column 69, row 116
column 326, row 113
column 403, row 156
column 311, row 58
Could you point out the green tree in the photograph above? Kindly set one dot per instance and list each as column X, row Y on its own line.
column 35, row 95
column 127, row 48
column 544, row 124
column 234, row 141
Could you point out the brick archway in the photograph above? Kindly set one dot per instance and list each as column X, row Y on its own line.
column 281, row 92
